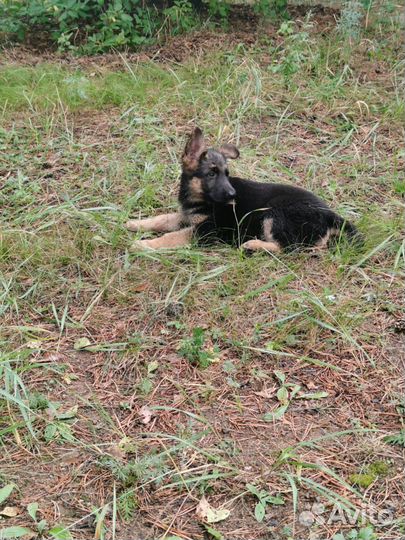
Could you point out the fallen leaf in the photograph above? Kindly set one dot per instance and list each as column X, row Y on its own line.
column 146, row 414
column 9, row 511
column 205, row 512
column 53, row 358
column 34, row 344
column 141, row 287
column 81, row 344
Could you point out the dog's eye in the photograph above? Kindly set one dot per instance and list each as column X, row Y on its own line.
column 211, row 173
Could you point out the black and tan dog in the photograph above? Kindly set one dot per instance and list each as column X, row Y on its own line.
column 255, row 216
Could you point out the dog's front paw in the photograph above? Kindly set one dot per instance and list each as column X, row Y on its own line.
column 142, row 245
column 134, row 225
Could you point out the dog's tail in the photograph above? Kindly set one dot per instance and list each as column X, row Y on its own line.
column 354, row 236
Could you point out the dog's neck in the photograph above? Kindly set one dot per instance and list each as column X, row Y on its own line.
column 191, row 193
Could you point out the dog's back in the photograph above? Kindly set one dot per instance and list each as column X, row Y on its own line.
column 286, row 215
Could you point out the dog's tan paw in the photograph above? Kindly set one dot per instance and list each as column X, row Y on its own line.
column 134, row 225
column 251, row 245
column 141, row 245
column 255, row 245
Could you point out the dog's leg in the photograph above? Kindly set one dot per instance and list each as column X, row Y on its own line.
column 163, row 223
column 168, row 240
column 256, row 245
column 324, row 241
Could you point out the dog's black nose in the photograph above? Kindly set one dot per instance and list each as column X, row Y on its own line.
column 231, row 194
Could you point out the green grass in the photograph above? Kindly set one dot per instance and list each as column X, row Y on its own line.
column 148, row 378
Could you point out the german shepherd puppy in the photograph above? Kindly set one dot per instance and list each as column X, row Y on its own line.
column 255, row 216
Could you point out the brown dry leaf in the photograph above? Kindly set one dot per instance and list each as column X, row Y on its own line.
column 140, row 287
column 9, row 511
column 205, row 512
column 145, row 414
column 35, row 344
column 53, row 358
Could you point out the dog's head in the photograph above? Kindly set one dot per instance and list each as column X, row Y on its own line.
column 209, row 167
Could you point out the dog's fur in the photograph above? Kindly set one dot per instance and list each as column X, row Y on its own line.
column 253, row 215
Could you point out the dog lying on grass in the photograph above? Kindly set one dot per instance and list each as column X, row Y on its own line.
column 215, row 206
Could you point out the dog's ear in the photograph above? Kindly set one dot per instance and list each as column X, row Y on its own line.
column 229, row 151
column 194, row 148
